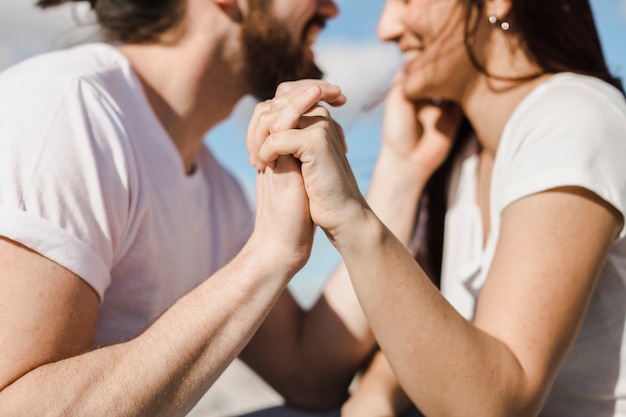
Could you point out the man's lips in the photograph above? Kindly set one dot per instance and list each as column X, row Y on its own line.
column 313, row 29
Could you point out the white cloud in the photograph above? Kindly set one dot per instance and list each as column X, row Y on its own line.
column 363, row 71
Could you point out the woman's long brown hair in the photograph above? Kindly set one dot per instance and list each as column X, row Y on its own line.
column 560, row 36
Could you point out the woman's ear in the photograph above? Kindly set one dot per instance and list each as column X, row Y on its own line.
column 233, row 8
column 498, row 9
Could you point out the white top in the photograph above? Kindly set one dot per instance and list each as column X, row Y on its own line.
column 570, row 131
column 90, row 179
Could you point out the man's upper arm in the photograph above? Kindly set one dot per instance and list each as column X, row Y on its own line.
column 47, row 313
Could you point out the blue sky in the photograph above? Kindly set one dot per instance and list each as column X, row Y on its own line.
column 347, row 50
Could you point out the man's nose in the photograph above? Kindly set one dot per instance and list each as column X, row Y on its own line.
column 327, row 8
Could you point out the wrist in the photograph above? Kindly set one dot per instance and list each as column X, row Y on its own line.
column 271, row 259
column 358, row 233
column 401, row 171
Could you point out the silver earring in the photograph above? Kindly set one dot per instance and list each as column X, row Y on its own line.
column 504, row 25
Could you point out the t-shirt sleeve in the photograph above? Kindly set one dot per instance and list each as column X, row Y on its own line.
column 573, row 135
column 63, row 177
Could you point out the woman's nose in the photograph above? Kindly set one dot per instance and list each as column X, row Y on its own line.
column 390, row 24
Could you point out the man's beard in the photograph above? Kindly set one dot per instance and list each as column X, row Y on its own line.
column 271, row 55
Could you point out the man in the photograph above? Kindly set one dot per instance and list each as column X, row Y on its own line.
column 130, row 272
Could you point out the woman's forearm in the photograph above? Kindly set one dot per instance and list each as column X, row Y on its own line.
column 421, row 334
column 377, row 393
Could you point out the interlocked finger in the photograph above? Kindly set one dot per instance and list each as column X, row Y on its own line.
column 285, row 112
column 258, row 130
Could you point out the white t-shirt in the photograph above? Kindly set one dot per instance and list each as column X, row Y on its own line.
column 90, row 179
column 570, row 131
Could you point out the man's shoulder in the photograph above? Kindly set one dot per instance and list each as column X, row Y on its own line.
column 78, row 61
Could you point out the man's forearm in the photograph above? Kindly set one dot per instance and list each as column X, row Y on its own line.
column 165, row 370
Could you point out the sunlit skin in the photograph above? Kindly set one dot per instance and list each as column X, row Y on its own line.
column 429, row 33
column 536, row 291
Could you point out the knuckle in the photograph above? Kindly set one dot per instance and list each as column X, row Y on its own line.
column 277, row 125
column 279, row 102
column 320, row 132
column 260, row 109
column 263, row 106
column 320, row 110
column 265, row 117
column 324, row 111
column 283, row 87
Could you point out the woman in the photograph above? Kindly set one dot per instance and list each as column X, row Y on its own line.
column 132, row 270
column 530, row 317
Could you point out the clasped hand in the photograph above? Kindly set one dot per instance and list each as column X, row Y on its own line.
column 294, row 126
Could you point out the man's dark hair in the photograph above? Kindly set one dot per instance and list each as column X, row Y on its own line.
column 132, row 21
